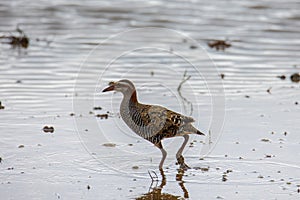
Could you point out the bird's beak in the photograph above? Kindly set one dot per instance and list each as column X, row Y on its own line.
column 111, row 87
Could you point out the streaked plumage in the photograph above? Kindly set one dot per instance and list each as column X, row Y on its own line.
column 153, row 122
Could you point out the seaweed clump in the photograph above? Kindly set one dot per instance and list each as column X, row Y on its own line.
column 219, row 44
column 17, row 41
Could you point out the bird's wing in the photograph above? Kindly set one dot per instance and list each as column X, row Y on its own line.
column 153, row 115
column 160, row 114
column 178, row 119
column 163, row 120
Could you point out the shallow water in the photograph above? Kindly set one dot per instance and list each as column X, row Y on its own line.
column 64, row 69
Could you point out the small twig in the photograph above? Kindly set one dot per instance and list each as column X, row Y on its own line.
column 153, row 178
column 209, row 133
column 184, row 79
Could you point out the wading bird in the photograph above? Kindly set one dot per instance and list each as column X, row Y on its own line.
column 153, row 122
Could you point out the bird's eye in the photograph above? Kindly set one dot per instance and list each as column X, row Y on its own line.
column 111, row 83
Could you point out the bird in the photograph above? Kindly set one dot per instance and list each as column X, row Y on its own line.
column 153, row 122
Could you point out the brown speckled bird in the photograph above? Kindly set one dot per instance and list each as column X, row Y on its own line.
column 153, row 122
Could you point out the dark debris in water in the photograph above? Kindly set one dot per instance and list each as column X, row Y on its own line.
column 295, row 77
column 265, row 140
column 1, row 107
column 97, row 108
column 135, row 167
column 44, row 40
column 102, row 116
column 0, row 159
column 21, row 41
column 109, row 144
column 17, row 41
column 259, row 7
column 219, row 44
column 282, row 77
column 224, row 177
column 193, row 47
column 203, row 169
column 48, row 129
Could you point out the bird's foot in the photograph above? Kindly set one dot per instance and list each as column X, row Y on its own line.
column 183, row 165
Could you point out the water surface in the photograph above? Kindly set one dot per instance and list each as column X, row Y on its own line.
column 37, row 89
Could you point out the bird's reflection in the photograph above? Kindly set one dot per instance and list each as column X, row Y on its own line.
column 179, row 175
column 155, row 193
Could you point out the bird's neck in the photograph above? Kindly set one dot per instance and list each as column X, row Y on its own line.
column 130, row 100
column 133, row 97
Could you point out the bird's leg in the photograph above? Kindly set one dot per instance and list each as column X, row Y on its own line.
column 164, row 155
column 179, row 157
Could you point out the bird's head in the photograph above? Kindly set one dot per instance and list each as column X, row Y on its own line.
column 124, row 86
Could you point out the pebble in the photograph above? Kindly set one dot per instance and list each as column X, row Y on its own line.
column 295, row 77
column 49, row 129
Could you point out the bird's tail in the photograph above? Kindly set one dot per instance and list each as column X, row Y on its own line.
column 199, row 133
column 192, row 129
